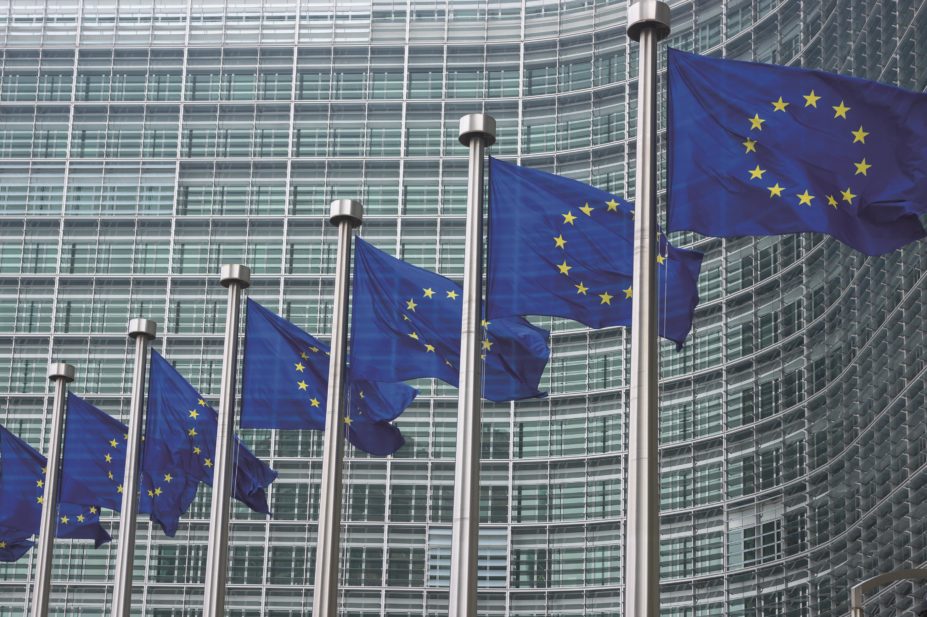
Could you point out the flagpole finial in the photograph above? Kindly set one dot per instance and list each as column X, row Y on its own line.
column 235, row 273
column 349, row 210
column 61, row 370
column 477, row 125
column 142, row 327
column 648, row 14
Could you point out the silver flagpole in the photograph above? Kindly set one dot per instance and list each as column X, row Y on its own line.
column 142, row 331
column 346, row 214
column 648, row 22
column 62, row 374
column 236, row 277
column 477, row 131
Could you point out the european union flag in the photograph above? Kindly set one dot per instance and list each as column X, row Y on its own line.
column 285, row 386
column 563, row 248
column 22, row 486
column 757, row 150
column 181, row 432
column 93, row 468
column 406, row 325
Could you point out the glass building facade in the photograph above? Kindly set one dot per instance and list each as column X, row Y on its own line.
column 145, row 143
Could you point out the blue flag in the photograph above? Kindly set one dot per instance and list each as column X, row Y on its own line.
column 758, row 150
column 94, row 462
column 563, row 248
column 181, row 432
column 22, row 485
column 285, row 386
column 406, row 325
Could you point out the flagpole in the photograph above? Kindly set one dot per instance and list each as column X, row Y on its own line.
column 346, row 214
column 648, row 22
column 235, row 277
column 142, row 331
column 62, row 374
column 477, row 131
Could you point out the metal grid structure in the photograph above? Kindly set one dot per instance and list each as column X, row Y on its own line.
column 146, row 143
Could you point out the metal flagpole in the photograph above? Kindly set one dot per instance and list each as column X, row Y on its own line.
column 142, row 331
column 236, row 277
column 62, row 374
column 648, row 22
column 346, row 214
column 477, row 131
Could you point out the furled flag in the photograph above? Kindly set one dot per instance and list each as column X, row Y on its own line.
column 285, row 386
column 93, row 467
column 22, row 487
column 758, row 150
column 563, row 248
column 181, row 432
column 406, row 325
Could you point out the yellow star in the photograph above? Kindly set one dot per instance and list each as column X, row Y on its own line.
column 661, row 259
column 201, row 402
column 862, row 167
column 93, row 510
column 361, row 393
column 811, row 100
column 40, row 499
column 560, row 242
column 125, row 436
column 158, row 491
column 568, row 218
column 628, row 292
column 80, row 518
column 750, row 145
column 831, row 201
column 859, row 135
column 756, row 122
column 452, row 295
column 428, row 292
column 413, row 335
column 304, row 355
column 757, row 173
column 299, row 367
column 840, row 111
column 606, row 298
column 348, row 420
column 65, row 520
column 119, row 489
column 194, row 414
column 564, row 268
column 581, row 289
column 2, row 544
column 314, row 349
column 779, row 105
column 109, row 459
column 168, row 477
column 848, row 195
column 429, row 347
column 302, row 385
column 410, row 304
column 405, row 318
column 44, row 470
column 775, row 190
column 487, row 344
column 314, row 402
column 109, row 474
column 207, row 462
column 485, row 323
column 150, row 493
column 804, row 199
column 192, row 432
column 196, row 450
column 40, row 483
column 587, row 210
column 114, row 443
column 612, row 205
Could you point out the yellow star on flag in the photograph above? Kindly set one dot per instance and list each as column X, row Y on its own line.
column 194, row 414
column 348, row 420
column 119, row 489
column 196, row 450
column 606, row 298
column 158, row 491
column 302, row 385
column 779, row 105
column 452, row 295
column 304, row 355
column 299, row 367
column 428, row 291
column 2, row 544
column 775, row 190
column 429, row 347
column 756, row 122
column 804, row 199
column 862, row 167
column 410, row 304
column 109, row 459
column 811, row 100
column 80, row 518
column 564, row 268
column 487, row 344
column 612, row 205
column 848, row 195
column 114, row 443
column 660, row 259
column 109, row 474
column 192, row 432
column 150, row 493
column 39, row 483
column 413, row 335
column 314, row 349
column 65, row 520
column 560, row 242
column 40, row 499
column 840, row 111
column 568, row 218
column 587, row 210
column 201, row 402
column 581, row 289
column 93, row 510
column 628, row 292
column 314, row 402
column 207, row 462
column 750, row 145
column 485, row 323
column 859, row 135
column 831, row 201
column 168, row 477
column 757, row 173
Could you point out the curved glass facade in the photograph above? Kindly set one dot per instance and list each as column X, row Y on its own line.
column 143, row 144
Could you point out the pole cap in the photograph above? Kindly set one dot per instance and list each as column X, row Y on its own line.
column 477, row 125
column 142, row 327
column 648, row 14
column 349, row 210
column 61, row 370
column 235, row 273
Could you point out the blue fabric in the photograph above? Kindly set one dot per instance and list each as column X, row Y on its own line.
column 285, row 386
column 851, row 160
column 181, row 432
column 22, row 477
column 406, row 325
column 94, row 462
column 563, row 248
